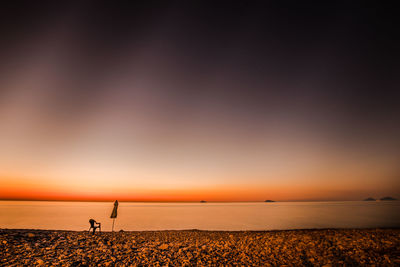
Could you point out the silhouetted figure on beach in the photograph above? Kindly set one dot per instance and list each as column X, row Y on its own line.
column 92, row 225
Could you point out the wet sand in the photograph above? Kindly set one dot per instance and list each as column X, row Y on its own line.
column 380, row 247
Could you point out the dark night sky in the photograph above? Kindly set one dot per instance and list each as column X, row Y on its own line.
column 203, row 80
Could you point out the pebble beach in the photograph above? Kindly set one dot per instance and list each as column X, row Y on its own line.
column 329, row 247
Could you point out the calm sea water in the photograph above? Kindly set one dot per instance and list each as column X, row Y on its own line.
column 205, row 216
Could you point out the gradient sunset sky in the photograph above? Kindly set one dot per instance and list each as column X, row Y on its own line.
column 180, row 101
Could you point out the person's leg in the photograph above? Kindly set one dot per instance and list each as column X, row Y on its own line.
column 94, row 229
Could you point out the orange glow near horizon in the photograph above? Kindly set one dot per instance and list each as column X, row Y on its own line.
column 299, row 189
column 256, row 174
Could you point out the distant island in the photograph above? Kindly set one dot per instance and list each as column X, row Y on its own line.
column 269, row 200
column 381, row 199
column 203, row 201
column 388, row 198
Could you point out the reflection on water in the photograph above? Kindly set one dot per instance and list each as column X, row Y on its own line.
column 205, row 216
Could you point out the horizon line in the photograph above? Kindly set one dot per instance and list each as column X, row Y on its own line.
column 182, row 201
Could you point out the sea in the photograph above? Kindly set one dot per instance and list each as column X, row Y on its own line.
column 235, row 216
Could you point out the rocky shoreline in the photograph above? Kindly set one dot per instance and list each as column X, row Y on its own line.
column 328, row 247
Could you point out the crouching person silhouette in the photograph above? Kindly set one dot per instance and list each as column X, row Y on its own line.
column 93, row 226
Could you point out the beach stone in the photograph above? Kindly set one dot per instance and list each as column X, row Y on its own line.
column 40, row 262
column 30, row 235
column 163, row 246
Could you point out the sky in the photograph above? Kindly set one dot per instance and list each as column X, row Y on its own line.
column 193, row 100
